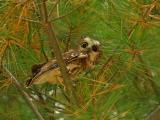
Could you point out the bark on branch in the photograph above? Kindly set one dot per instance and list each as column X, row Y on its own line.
column 52, row 37
column 24, row 94
column 154, row 115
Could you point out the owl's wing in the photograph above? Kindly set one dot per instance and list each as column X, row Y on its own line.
column 68, row 57
column 52, row 66
column 72, row 55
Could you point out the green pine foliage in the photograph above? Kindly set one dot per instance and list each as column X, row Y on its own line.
column 124, row 85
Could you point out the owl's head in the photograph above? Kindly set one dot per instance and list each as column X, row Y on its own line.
column 89, row 44
column 92, row 47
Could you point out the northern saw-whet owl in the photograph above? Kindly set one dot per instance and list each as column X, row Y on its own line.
column 77, row 61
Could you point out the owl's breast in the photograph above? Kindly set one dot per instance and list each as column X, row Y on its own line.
column 52, row 76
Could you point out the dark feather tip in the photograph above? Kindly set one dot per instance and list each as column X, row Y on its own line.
column 28, row 82
column 36, row 68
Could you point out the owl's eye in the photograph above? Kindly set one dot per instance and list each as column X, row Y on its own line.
column 84, row 45
column 95, row 48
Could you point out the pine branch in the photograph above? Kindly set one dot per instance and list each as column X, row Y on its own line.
column 24, row 94
column 154, row 115
column 56, row 49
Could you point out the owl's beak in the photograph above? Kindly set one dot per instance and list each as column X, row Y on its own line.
column 89, row 49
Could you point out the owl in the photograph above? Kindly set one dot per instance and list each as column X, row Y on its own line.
column 77, row 61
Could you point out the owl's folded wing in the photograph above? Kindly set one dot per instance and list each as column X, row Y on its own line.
column 49, row 72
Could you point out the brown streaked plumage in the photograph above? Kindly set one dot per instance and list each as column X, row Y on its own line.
column 76, row 61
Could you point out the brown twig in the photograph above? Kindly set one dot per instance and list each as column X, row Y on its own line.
column 27, row 19
column 154, row 115
column 51, row 11
column 24, row 94
column 52, row 37
column 63, row 16
column 105, row 66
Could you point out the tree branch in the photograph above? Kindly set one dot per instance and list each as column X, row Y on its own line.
column 154, row 115
column 52, row 37
column 24, row 94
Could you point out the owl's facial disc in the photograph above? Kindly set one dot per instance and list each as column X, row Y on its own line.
column 89, row 45
column 84, row 45
column 95, row 48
